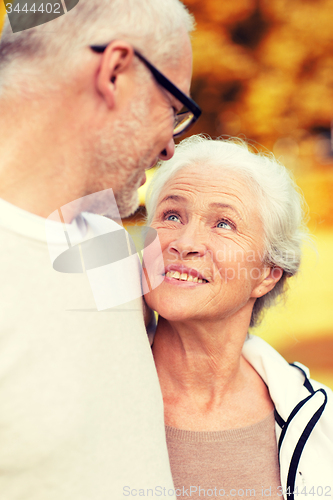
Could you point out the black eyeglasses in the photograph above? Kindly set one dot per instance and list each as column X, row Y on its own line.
column 183, row 120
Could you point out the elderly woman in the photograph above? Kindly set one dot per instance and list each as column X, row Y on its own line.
column 240, row 421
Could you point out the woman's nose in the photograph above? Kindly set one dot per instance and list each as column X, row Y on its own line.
column 190, row 243
column 168, row 152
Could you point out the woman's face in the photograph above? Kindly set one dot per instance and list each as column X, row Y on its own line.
column 211, row 237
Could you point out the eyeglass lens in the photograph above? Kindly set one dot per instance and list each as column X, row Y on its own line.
column 182, row 122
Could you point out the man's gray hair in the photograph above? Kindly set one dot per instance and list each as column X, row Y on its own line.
column 154, row 27
column 281, row 205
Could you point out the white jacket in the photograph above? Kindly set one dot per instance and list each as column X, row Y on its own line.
column 304, row 422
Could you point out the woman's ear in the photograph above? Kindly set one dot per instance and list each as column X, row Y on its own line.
column 270, row 277
column 116, row 59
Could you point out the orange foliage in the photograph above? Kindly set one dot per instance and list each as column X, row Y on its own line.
column 264, row 69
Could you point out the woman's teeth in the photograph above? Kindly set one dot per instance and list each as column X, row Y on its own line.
column 184, row 277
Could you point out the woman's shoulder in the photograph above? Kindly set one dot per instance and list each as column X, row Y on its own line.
column 288, row 384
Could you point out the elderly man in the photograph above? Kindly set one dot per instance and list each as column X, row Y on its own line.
column 83, row 109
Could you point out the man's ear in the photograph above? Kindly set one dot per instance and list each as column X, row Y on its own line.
column 116, row 59
column 269, row 279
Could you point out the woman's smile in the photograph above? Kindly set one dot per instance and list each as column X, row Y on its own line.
column 179, row 274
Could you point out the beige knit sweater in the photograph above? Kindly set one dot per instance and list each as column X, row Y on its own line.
column 235, row 464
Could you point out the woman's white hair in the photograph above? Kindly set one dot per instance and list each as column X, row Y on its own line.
column 279, row 201
column 154, row 27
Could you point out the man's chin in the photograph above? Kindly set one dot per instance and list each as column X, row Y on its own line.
column 127, row 203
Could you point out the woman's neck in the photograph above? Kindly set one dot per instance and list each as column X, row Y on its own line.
column 205, row 381
column 198, row 357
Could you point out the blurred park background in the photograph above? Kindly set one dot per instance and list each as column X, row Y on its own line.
column 263, row 69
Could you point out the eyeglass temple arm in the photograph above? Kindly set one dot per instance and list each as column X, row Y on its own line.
column 183, row 98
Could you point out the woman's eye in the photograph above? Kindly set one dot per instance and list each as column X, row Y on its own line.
column 224, row 224
column 172, row 218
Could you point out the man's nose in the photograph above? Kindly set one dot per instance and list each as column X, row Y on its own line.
column 168, row 152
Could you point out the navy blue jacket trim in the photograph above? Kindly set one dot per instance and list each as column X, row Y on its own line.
column 279, row 419
column 300, row 446
column 307, row 383
column 291, row 416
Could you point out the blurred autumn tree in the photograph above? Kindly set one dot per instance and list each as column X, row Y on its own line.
column 264, row 69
